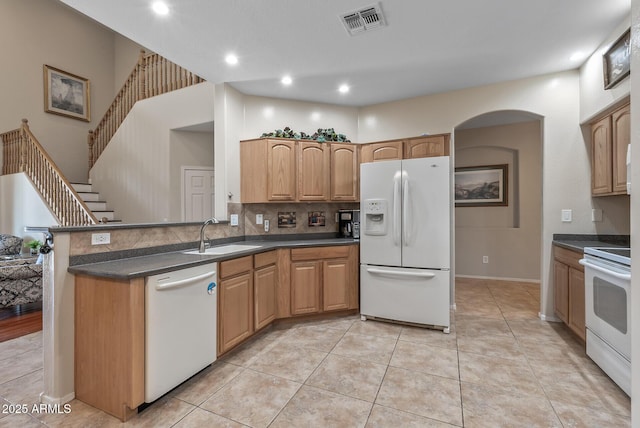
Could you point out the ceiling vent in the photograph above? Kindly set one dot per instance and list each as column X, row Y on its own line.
column 366, row 19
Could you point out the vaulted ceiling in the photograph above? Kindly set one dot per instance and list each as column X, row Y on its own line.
column 425, row 46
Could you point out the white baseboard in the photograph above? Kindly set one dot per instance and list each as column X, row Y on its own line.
column 550, row 318
column 534, row 281
column 46, row 399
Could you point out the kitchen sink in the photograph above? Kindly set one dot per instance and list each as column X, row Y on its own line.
column 224, row 249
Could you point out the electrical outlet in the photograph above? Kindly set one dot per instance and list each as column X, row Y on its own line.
column 233, row 219
column 100, row 238
column 259, row 218
column 266, row 225
column 566, row 216
column 485, row 259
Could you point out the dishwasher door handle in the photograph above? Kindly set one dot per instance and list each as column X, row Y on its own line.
column 183, row 282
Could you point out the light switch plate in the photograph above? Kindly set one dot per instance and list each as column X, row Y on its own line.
column 566, row 216
column 233, row 219
column 259, row 218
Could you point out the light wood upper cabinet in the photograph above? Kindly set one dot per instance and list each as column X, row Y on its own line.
column 274, row 170
column 376, row 152
column 621, row 137
column 344, row 172
column 424, row 147
column 408, row 148
column 610, row 137
column 313, row 171
column 281, row 169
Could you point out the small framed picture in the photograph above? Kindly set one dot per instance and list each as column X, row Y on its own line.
column 66, row 94
column 481, row 186
column 617, row 61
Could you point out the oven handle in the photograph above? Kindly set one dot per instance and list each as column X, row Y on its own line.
column 625, row 276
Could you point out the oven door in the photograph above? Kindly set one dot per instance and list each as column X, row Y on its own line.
column 607, row 303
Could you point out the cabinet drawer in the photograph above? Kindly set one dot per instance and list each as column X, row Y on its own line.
column 235, row 266
column 265, row 259
column 316, row 253
column 568, row 257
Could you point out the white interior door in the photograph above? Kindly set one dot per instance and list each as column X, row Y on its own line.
column 198, row 191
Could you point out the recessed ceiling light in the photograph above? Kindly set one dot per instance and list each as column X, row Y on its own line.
column 343, row 89
column 160, row 8
column 286, row 80
column 231, row 59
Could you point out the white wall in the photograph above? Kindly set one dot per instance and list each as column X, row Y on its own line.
column 133, row 172
column 635, row 211
column 37, row 32
column 555, row 97
column 22, row 206
column 593, row 97
column 508, row 235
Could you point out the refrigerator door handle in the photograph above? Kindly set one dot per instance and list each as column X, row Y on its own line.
column 405, row 209
column 397, row 185
column 395, row 273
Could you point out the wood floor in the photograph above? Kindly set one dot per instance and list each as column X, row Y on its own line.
column 20, row 320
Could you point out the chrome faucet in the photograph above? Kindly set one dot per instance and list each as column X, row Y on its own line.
column 212, row 220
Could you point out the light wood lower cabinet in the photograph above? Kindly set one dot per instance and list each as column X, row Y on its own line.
column 235, row 310
column 265, row 284
column 324, row 279
column 109, row 344
column 568, row 283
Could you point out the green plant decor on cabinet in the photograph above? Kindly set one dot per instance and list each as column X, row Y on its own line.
column 321, row 136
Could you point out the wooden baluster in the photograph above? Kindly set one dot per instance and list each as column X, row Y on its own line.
column 90, row 144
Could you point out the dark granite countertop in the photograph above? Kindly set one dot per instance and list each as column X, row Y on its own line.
column 579, row 242
column 153, row 264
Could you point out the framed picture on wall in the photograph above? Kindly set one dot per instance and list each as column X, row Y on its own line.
column 482, row 186
column 617, row 61
column 66, row 94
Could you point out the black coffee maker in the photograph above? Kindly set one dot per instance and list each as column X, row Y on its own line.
column 349, row 224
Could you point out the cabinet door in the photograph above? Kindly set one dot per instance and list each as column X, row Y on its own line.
column 576, row 302
column 376, row 152
column 264, row 285
column 621, row 137
column 235, row 311
column 313, row 171
column 305, row 287
column 561, row 290
column 344, row 172
column 281, row 170
column 335, row 285
column 425, row 147
column 601, row 172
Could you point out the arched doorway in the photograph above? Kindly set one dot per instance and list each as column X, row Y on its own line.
column 500, row 242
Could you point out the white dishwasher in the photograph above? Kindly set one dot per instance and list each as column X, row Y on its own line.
column 180, row 327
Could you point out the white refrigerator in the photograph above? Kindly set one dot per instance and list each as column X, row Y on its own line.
column 405, row 241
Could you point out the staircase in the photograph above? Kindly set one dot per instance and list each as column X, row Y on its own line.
column 92, row 200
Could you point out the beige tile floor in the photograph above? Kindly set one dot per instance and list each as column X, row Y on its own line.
column 500, row 367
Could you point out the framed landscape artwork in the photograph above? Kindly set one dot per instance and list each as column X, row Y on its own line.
column 66, row 94
column 481, row 186
column 617, row 61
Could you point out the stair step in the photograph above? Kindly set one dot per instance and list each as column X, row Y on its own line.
column 89, row 196
column 81, row 187
column 103, row 214
column 96, row 205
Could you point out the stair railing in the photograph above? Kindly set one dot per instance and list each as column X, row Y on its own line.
column 153, row 75
column 22, row 152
